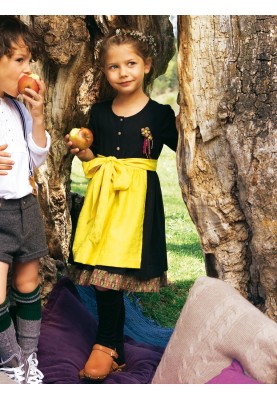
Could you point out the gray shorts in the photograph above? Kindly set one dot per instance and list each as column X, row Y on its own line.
column 22, row 236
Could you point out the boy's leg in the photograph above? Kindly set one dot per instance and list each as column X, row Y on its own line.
column 10, row 352
column 26, row 293
column 4, row 268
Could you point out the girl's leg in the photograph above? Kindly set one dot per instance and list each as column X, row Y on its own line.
column 26, row 293
column 111, row 316
column 10, row 352
column 120, row 332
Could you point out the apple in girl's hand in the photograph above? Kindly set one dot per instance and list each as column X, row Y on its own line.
column 81, row 138
column 28, row 81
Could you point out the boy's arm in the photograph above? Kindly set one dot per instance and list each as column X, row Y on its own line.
column 35, row 103
column 5, row 161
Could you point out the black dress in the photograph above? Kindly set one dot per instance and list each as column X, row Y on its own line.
column 121, row 137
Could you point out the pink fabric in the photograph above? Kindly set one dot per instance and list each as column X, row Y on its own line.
column 216, row 326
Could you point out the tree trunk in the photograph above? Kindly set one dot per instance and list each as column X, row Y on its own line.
column 227, row 151
column 72, row 87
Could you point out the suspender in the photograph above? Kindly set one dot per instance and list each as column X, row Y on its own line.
column 25, row 133
column 21, row 115
column 31, row 172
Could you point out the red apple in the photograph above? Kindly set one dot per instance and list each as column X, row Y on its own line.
column 81, row 138
column 28, row 81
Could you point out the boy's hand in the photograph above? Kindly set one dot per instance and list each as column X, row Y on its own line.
column 83, row 155
column 35, row 101
column 5, row 162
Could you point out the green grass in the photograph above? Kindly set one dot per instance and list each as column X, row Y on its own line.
column 184, row 251
column 78, row 180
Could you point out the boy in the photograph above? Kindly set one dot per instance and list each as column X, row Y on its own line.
column 24, row 144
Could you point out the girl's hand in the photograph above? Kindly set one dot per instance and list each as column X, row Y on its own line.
column 83, row 155
column 35, row 101
column 5, row 162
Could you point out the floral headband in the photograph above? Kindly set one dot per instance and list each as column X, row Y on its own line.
column 133, row 34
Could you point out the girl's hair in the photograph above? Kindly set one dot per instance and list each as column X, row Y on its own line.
column 12, row 30
column 143, row 44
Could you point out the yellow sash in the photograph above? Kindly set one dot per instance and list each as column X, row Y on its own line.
column 110, row 225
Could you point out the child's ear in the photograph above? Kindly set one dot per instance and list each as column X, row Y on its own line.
column 147, row 65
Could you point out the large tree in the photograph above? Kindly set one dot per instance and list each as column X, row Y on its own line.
column 226, row 156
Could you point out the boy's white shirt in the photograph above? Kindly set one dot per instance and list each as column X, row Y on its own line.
column 16, row 184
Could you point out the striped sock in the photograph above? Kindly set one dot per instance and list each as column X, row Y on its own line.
column 28, row 305
column 28, row 319
column 10, row 352
column 5, row 318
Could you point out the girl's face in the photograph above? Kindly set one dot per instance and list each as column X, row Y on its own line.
column 12, row 68
column 125, row 69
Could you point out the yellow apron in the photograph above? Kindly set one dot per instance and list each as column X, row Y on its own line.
column 110, row 225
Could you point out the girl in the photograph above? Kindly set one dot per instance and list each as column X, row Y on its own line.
column 120, row 237
column 23, row 145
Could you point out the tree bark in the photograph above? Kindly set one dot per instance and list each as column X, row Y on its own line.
column 227, row 150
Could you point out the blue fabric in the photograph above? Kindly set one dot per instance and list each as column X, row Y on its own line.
column 137, row 326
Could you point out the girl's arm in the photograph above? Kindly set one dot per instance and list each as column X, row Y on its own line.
column 169, row 128
column 35, row 103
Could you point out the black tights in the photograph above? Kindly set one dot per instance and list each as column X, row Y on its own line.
column 111, row 317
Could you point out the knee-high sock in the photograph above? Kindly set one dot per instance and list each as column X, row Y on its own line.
column 110, row 315
column 10, row 352
column 28, row 319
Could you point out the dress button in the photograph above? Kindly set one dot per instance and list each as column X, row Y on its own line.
column 121, row 119
column 118, row 148
column 119, row 133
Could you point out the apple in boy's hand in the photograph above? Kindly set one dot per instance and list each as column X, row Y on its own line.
column 28, row 81
column 81, row 138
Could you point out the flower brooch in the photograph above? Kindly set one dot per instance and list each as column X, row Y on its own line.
column 148, row 142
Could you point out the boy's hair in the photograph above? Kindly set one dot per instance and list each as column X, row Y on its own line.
column 12, row 30
column 142, row 43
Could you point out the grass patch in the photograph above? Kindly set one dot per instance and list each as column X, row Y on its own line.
column 78, row 180
column 184, row 252
column 165, row 307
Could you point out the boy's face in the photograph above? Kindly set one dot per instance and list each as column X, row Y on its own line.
column 12, row 68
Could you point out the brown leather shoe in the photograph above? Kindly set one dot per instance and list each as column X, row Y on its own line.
column 100, row 364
